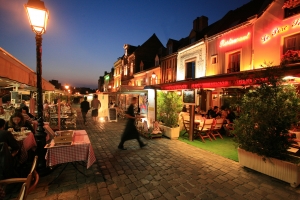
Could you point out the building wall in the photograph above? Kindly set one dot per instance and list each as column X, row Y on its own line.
column 238, row 40
column 197, row 53
column 168, row 69
column 270, row 30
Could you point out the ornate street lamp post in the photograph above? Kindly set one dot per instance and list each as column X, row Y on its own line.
column 38, row 17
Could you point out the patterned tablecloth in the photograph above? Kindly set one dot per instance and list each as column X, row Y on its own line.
column 27, row 142
column 80, row 150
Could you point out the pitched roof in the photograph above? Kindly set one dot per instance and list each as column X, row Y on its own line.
column 237, row 16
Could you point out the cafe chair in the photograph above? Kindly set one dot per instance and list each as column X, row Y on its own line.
column 186, row 125
column 50, row 132
column 71, row 122
column 216, row 128
column 29, row 183
column 204, row 131
column 22, row 192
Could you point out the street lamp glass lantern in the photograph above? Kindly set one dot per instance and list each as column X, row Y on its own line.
column 37, row 15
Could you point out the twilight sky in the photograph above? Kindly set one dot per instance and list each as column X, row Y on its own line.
column 84, row 38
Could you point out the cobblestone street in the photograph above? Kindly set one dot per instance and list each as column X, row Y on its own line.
column 165, row 169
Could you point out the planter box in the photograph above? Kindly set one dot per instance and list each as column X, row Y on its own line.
column 283, row 170
column 172, row 133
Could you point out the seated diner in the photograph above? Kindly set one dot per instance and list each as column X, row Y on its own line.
column 16, row 122
column 7, row 164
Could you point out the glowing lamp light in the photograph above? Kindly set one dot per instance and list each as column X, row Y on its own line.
column 38, row 16
column 67, row 87
column 102, row 119
column 153, row 75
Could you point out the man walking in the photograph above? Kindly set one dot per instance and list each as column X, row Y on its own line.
column 85, row 106
column 130, row 131
column 95, row 106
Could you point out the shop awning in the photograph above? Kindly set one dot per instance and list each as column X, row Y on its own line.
column 128, row 89
column 224, row 80
column 14, row 73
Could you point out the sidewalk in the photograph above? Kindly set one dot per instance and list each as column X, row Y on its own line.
column 165, row 169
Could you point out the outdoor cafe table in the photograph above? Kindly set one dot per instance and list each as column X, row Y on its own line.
column 80, row 150
column 27, row 141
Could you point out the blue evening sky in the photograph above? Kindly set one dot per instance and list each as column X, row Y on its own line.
column 84, row 38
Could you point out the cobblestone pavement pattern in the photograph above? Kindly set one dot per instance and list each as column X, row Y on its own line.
column 165, row 169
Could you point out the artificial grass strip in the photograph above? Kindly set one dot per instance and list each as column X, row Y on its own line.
column 224, row 147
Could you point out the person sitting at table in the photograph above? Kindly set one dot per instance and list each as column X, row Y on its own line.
column 208, row 114
column 184, row 109
column 215, row 112
column 22, row 104
column 6, row 136
column 16, row 122
column 2, row 112
column 230, row 116
column 7, row 139
column 27, row 116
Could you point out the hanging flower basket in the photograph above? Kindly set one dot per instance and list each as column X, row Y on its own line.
column 291, row 56
column 290, row 4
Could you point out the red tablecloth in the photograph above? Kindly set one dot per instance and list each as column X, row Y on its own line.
column 80, row 150
column 29, row 142
column 26, row 144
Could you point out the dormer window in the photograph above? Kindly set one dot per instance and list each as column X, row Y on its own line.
column 125, row 47
column 193, row 40
column 141, row 66
column 170, row 49
column 125, row 70
column 156, row 60
column 131, row 69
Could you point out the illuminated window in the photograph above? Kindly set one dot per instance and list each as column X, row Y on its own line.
column 214, row 60
column 169, row 75
column 141, row 66
column 131, row 69
column 156, row 60
column 125, row 70
column 193, row 40
column 234, row 62
column 190, row 70
column 291, row 43
column 170, row 49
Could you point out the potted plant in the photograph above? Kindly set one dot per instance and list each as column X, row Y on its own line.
column 262, row 130
column 169, row 104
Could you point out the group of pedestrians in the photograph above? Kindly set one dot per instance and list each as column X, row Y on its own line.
column 130, row 131
column 85, row 107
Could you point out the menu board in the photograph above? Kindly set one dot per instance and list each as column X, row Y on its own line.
column 112, row 114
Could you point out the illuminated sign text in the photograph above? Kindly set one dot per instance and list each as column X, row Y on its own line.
column 231, row 41
column 279, row 30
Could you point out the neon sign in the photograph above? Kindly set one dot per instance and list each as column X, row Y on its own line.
column 296, row 23
column 231, row 41
column 275, row 32
column 279, row 30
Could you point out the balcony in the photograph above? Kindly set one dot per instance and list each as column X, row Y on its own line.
column 233, row 69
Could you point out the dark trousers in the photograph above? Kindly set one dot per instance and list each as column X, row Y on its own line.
column 84, row 116
column 123, row 140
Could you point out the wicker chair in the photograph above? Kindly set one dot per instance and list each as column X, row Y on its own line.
column 29, row 183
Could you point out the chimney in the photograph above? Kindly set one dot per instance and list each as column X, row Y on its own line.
column 200, row 23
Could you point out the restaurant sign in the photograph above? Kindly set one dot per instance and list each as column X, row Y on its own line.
column 279, row 30
column 175, row 87
column 231, row 41
column 224, row 83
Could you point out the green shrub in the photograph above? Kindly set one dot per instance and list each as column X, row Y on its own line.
column 169, row 104
column 268, row 112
